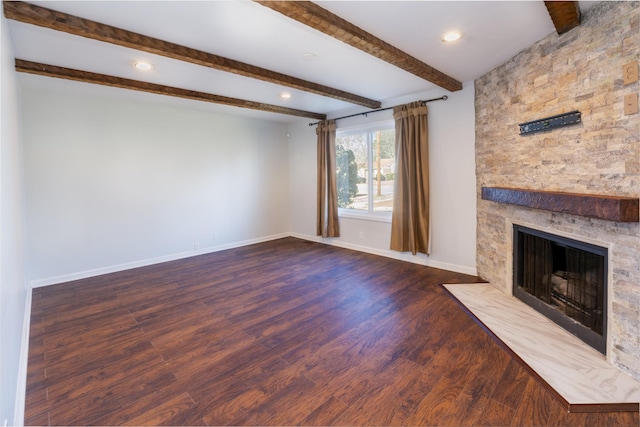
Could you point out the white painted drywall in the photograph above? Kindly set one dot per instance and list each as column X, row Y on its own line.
column 112, row 183
column 13, row 280
column 452, row 175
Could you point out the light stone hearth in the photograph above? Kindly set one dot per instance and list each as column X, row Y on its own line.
column 578, row 373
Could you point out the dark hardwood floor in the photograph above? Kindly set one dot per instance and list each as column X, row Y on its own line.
column 286, row 332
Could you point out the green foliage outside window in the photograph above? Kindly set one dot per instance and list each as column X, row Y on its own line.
column 347, row 176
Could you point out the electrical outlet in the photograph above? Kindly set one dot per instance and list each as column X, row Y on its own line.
column 196, row 246
column 630, row 72
column 216, row 236
column 361, row 235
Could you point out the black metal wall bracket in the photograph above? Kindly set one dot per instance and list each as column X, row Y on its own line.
column 553, row 122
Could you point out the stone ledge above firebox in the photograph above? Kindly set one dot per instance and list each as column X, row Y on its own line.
column 577, row 374
column 610, row 208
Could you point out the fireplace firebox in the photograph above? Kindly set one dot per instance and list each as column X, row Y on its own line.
column 565, row 280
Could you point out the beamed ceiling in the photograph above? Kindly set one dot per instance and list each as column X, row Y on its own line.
column 241, row 56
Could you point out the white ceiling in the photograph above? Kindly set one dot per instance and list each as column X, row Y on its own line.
column 493, row 32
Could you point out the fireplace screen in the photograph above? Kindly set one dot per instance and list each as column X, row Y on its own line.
column 565, row 280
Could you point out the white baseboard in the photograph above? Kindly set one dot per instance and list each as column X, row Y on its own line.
column 21, row 386
column 150, row 261
column 401, row 256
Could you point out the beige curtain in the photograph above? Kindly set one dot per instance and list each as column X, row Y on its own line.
column 327, row 222
column 410, row 225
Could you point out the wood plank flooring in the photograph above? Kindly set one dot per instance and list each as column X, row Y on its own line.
column 286, row 332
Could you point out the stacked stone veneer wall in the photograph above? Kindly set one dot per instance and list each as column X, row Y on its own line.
column 580, row 70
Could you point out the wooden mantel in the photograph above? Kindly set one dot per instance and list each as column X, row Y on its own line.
column 609, row 208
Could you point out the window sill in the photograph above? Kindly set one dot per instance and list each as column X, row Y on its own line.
column 385, row 217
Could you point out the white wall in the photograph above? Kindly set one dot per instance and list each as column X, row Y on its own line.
column 13, row 281
column 113, row 183
column 453, row 185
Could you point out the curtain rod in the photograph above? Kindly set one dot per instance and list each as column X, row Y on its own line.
column 442, row 98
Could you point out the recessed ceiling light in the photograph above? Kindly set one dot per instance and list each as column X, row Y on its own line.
column 285, row 95
column 451, row 36
column 143, row 66
column 309, row 56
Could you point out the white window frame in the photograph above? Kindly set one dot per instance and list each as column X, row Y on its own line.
column 369, row 128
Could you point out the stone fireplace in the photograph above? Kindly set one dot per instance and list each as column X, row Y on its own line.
column 580, row 70
column 565, row 280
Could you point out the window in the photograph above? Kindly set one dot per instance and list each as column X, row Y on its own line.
column 365, row 165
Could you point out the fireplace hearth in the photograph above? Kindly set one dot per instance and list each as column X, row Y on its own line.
column 565, row 280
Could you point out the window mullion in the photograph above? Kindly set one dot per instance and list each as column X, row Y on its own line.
column 370, row 168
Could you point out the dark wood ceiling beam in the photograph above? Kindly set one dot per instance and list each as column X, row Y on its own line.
column 119, row 82
column 47, row 18
column 564, row 14
column 322, row 20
